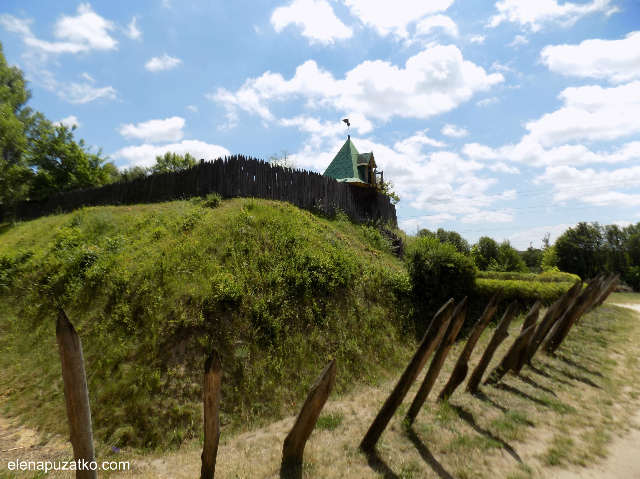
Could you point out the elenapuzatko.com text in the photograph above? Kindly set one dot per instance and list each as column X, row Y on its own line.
column 79, row 465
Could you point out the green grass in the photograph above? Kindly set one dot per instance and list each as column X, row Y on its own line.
column 152, row 288
column 329, row 422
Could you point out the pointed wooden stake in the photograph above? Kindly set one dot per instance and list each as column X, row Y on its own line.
column 419, row 359
column 501, row 333
column 212, row 382
column 296, row 440
column 76, row 395
column 462, row 366
column 551, row 316
column 457, row 318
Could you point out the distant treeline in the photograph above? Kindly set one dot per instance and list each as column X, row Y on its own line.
column 235, row 176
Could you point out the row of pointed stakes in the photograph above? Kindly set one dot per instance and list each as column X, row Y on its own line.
column 549, row 334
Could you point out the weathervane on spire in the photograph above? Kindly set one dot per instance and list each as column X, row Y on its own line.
column 346, row 120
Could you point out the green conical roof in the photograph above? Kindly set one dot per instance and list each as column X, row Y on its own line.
column 344, row 166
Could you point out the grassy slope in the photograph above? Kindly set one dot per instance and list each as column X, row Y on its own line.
column 152, row 288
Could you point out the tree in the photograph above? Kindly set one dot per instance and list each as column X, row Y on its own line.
column 453, row 238
column 509, row 259
column 15, row 121
column 615, row 249
column 172, row 162
column 533, row 259
column 580, row 250
column 61, row 164
column 485, row 253
column 387, row 189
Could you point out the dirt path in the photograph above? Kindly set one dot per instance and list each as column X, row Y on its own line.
column 623, row 461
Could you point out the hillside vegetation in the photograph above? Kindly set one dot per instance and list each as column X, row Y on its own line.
column 152, row 288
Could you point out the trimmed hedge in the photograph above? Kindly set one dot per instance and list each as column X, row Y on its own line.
column 525, row 292
column 550, row 277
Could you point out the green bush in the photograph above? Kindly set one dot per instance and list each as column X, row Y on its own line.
column 549, row 277
column 437, row 272
column 525, row 292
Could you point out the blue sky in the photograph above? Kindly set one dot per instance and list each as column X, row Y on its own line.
column 508, row 119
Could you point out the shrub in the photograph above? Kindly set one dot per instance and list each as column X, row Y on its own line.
column 525, row 292
column 437, row 272
column 549, row 277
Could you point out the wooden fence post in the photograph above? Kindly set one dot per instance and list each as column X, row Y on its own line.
column 607, row 287
column 457, row 318
column 212, row 381
column 462, row 366
column 76, row 395
column 513, row 359
column 571, row 315
column 510, row 360
column 501, row 333
column 550, row 318
column 293, row 449
column 419, row 359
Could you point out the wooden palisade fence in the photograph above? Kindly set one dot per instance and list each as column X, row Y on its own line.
column 550, row 332
column 235, row 176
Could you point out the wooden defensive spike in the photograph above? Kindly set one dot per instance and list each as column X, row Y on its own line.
column 462, row 365
column 510, row 360
column 457, row 318
column 501, row 333
column 212, row 382
column 76, row 394
column 296, row 440
column 571, row 315
column 551, row 316
column 419, row 359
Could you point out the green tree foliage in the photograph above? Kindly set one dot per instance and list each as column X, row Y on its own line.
column 15, row 119
column 444, row 236
column 580, row 250
column 549, row 260
column 61, row 164
column 38, row 157
column 172, row 162
column 437, row 272
column 615, row 249
column 533, row 259
column 633, row 249
column 485, row 254
column 509, row 259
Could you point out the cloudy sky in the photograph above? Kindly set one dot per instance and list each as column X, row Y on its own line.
column 508, row 119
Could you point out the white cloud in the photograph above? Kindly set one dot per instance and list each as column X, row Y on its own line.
column 415, row 224
column 530, row 152
column 132, row 30
column 394, row 17
column 155, row 131
column 448, row 26
column 80, row 93
column 433, row 81
column 522, row 238
column 503, row 216
column 192, row 108
column 615, row 60
column 70, row 122
column 590, row 113
column 519, row 40
column 165, row 62
column 84, row 32
column 479, row 39
column 315, row 18
column 533, row 14
column 145, row 155
column 594, row 187
column 487, row 101
column 503, row 168
column 454, row 131
column 87, row 77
